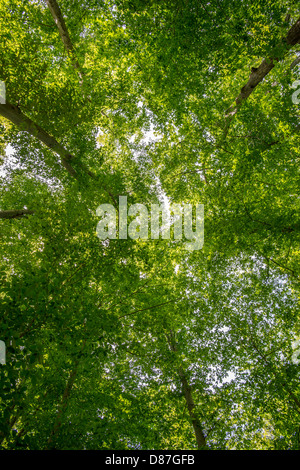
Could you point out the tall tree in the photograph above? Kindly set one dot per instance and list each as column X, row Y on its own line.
column 141, row 343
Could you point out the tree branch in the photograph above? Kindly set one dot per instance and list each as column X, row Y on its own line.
column 64, row 34
column 148, row 308
column 15, row 214
column 187, row 392
column 295, row 62
column 258, row 74
column 15, row 115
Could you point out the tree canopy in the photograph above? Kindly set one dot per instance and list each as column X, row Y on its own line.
column 140, row 343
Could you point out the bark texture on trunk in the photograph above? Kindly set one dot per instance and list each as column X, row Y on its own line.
column 187, row 392
column 15, row 115
column 64, row 34
column 259, row 73
column 65, row 398
column 15, row 214
column 255, row 78
column 62, row 406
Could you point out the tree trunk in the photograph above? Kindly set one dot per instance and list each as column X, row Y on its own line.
column 62, row 406
column 14, row 214
column 187, row 392
column 15, row 115
column 258, row 74
column 64, row 34
column 65, row 397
